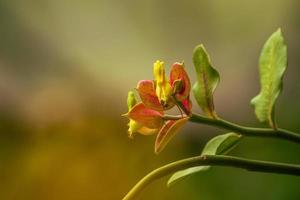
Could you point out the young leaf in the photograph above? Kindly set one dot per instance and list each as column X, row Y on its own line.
column 220, row 144
column 207, row 81
column 166, row 133
column 272, row 65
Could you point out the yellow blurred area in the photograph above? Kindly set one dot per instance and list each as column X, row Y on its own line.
column 65, row 70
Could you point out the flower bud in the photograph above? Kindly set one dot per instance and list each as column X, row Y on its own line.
column 178, row 73
column 131, row 101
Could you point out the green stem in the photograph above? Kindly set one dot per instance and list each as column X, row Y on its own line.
column 248, row 131
column 213, row 160
column 244, row 130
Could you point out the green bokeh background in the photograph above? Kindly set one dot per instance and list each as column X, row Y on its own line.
column 66, row 67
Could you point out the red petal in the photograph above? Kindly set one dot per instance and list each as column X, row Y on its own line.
column 148, row 96
column 187, row 104
column 178, row 73
column 146, row 116
column 167, row 132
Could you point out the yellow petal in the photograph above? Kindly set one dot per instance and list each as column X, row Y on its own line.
column 147, row 131
column 162, row 88
column 133, row 127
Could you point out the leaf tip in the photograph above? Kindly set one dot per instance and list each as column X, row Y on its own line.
column 171, row 181
column 157, row 147
column 277, row 34
column 199, row 47
column 279, row 31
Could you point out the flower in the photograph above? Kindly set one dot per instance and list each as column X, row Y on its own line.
column 134, row 126
column 157, row 96
column 163, row 94
column 148, row 121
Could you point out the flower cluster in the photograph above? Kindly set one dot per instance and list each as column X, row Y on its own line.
column 148, row 116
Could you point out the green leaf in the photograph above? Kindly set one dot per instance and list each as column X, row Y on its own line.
column 220, row 144
column 207, row 81
column 272, row 65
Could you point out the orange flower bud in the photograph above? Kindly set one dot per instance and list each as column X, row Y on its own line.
column 178, row 73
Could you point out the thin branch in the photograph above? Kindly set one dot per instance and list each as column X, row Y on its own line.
column 213, row 160
column 248, row 131
column 244, row 130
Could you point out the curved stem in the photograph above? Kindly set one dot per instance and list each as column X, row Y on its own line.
column 244, row 130
column 213, row 160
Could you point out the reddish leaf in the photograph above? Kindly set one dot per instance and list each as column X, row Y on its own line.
column 167, row 132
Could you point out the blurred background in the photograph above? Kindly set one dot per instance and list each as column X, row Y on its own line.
column 65, row 70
